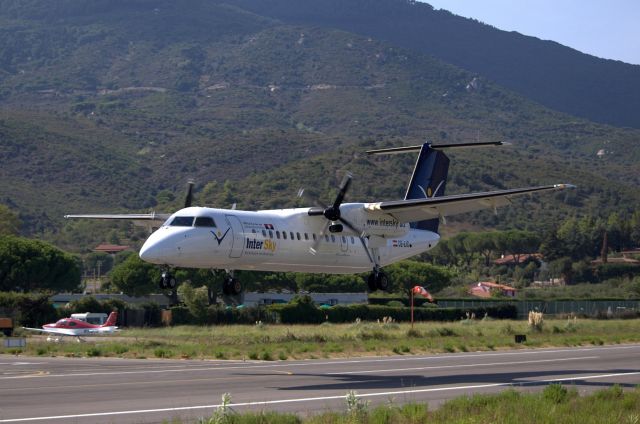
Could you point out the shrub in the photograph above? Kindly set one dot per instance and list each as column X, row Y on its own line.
column 555, row 393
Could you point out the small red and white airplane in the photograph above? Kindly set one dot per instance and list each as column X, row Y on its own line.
column 77, row 328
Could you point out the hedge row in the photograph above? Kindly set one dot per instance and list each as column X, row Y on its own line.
column 304, row 314
column 377, row 312
column 180, row 315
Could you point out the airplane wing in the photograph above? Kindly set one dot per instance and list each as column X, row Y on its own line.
column 103, row 330
column 434, row 207
column 59, row 331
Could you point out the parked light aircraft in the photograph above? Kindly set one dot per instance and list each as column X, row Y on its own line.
column 342, row 238
column 77, row 328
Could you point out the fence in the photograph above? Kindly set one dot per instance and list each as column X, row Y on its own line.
column 554, row 307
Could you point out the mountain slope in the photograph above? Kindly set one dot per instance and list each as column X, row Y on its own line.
column 554, row 75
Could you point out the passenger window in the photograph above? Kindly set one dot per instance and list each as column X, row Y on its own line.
column 270, row 234
column 306, row 236
column 344, row 239
column 291, row 233
column 298, row 236
column 253, row 231
column 326, row 237
column 264, row 233
column 278, row 234
column 284, row 235
column 204, row 221
column 333, row 238
column 353, row 241
column 314, row 236
column 182, row 221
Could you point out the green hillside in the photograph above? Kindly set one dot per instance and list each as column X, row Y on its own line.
column 113, row 105
column 554, row 75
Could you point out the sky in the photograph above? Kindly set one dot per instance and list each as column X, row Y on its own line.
column 607, row 29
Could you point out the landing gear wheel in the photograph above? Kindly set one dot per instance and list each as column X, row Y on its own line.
column 236, row 287
column 231, row 286
column 371, row 282
column 172, row 283
column 382, row 281
column 167, row 281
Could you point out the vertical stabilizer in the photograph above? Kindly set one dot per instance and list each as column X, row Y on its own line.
column 428, row 180
column 111, row 321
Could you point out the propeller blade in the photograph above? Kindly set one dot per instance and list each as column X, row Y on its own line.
column 189, row 197
column 360, row 236
column 314, row 248
column 344, row 186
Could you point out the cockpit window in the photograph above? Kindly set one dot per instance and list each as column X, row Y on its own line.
column 182, row 221
column 205, row 221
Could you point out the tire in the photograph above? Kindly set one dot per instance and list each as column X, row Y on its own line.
column 172, row 283
column 382, row 281
column 371, row 282
column 236, row 287
column 226, row 287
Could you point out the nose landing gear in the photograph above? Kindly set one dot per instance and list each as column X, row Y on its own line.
column 167, row 281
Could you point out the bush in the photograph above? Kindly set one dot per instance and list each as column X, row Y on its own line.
column 28, row 310
column 555, row 393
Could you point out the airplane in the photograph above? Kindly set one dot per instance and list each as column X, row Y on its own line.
column 77, row 328
column 341, row 238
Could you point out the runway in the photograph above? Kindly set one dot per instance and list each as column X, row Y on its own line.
column 89, row 390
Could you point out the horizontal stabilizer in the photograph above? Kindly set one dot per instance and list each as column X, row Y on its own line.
column 129, row 216
column 410, row 149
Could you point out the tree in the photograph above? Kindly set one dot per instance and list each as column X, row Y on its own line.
column 196, row 300
column 134, row 277
column 482, row 243
column 330, row 283
column 406, row 274
column 9, row 222
column 33, row 265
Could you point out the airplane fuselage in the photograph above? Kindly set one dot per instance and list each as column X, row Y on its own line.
column 280, row 240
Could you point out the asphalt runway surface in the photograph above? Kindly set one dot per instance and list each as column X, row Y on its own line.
column 94, row 390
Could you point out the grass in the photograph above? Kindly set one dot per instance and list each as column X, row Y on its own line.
column 280, row 342
column 553, row 405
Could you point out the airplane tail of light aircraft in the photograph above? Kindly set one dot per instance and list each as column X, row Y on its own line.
column 341, row 238
column 77, row 328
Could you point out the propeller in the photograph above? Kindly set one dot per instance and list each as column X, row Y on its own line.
column 332, row 214
column 189, row 196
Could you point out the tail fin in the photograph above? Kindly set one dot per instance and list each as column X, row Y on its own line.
column 428, row 180
column 430, row 173
column 111, row 321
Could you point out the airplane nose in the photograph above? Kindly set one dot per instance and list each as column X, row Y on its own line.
column 149, row 252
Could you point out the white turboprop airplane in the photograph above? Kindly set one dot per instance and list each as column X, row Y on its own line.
column 343, row 238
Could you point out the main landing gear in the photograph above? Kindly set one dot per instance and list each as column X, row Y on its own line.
column 231, row 286
column 378, row 280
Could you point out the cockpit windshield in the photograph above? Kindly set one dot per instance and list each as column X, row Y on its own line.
column 182, row 221
column 205, row 221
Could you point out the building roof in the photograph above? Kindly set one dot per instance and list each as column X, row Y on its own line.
column 483, row 288
column 110, row 248
column 521, row 258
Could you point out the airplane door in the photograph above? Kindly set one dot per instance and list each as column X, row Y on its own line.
column 344, row 244
column 237, row 245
